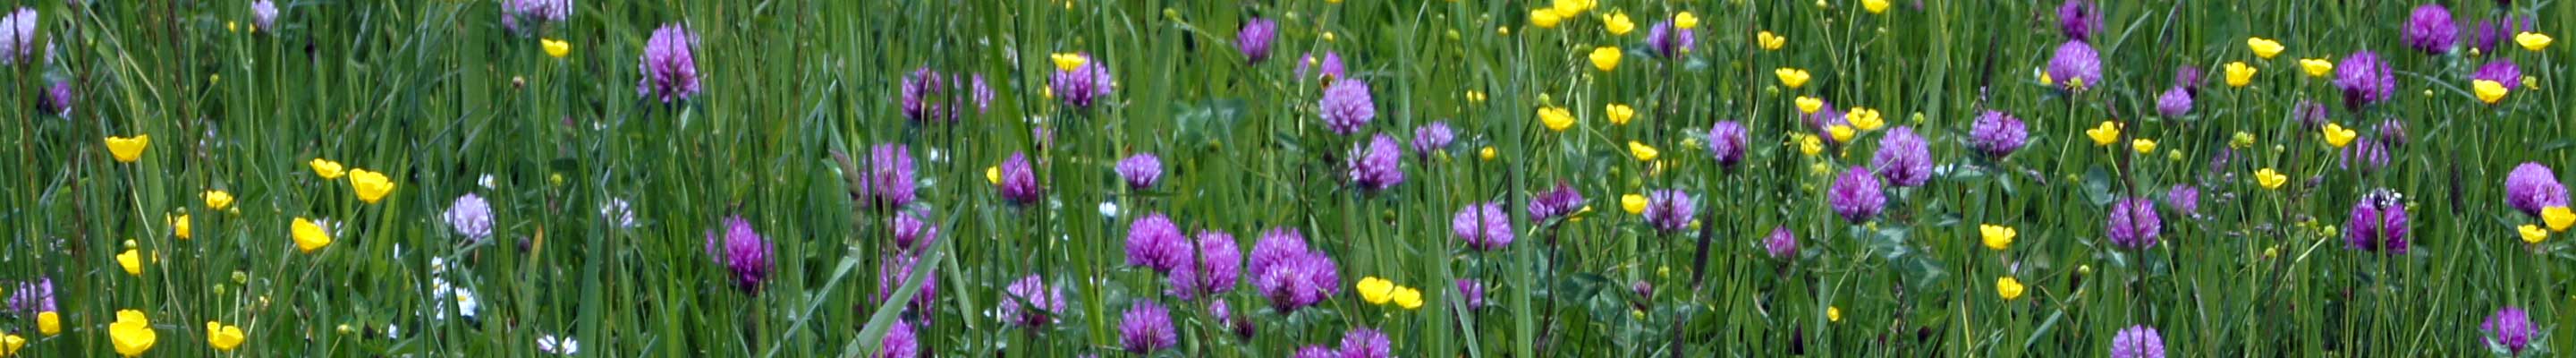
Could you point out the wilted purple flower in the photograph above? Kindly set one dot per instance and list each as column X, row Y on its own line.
column 2309, row 114
column 2493, row 34
column 2392, row 132
column 1224, row 312
column 1856, row 195
column 2077, row 19
column 2138, row 342
column 898, row 268
column 1670, row 209
column 1043, row 302
column 2501, row 70
column 1291, row 276
column 1782, row 244
column 33, row 297
column 1083, row 85
column 1346, row 106
column 1643, row 289
column 2509, row 327
column 983, row 94
column 1668, row 41
column 470, row 216
column 1329, row 66
column 1378, row 166
column 1141, row 170
column 535, row 12
column 1904, row 158
column 921, row 95
column 1432, row 137
column 1254, row 39
column 2076, row 66
column 18, row 37
column 743, row 251
column 1366, row 343
column 2365, row 80
column 2532, row 187
column 1726, row 142
column 670, row 70
column 1146, row 328
column 2367, row 154
column 889, row 180
column 1214, row 268
column 2378, row 223
column 1556, row 202
column 1316, row 352
column 1997, row 134
column 58, row 98
column 900, row 342
column 2188, row 78
column 264, row 14
column 2184, row 199
column 1472, row 292
column 1483, row 226
column 2133, row 223
column 910, row 233
column 1019, row 183
column 2430, row 29
column 2174, row 103
column 1152, row 242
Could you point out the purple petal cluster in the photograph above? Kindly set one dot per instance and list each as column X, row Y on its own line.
column 1856, row 195
column 900, row 342
column 1154, row 243
column 1141, row 171
column 1213, row 270
column 2429, row 29
column 2076, row 61
column 2133, row 223
column 1316, row 352
column 470, row 216
column 1366, row 343
column 911, row 234
column 1668, row 41
column 2532, row 187
column 2308, row 114
column 32, row 297
column 2510, row 328
column 2501, row 70
column 921, row 95
column 1472, row 292
column 1997, row 134
column 669, row 68
column 514, row 12
column 1483, row 226
column 889, row 180
column 2367, row 154
column 1726, row 143
column 1555, row 202
column 1330, row 66
column 1254, row 39
column 1904, row 158
column 983, row 94
column 1377, row 166
column 2138, row 341
column 1670, row 210
column 1291, row 275
column 1346, row 106
column 1044, row 302
column 2184, row 199
column 1019, row 183
column 18, row 40
column 1242, row 327
column 2365, row 80
column 2378, row 223
column 1145, row 328
column 741, row 250
column 2174, row 103
column 264, row 14
column 1083, row 85
column 1782, row 244
column 2078, row 19
column 1432, row 138
column 2494, row 34
column 58, row 98
column 898, row 268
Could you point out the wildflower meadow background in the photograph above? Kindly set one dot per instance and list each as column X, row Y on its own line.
column 1314, row 178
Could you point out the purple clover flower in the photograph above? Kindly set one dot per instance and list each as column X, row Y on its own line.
column 1141, row 171
column 1556, row 202
column 921, row 93
column 1329, row 66
column 470, row 216
column 1346, row 106
column 669, row 68
column 889, row 180
column 1668, row 41
column 2429, row 29
column 2138, row 341
column 1254, row 39
column 2365, row 80
column 2532, row 187
column 1043, row 302
column 2174, row 103
column 1782, row 244
column 2133, row 224
column 33, row 297
column 1291, row 276
column 2378, row 223
column 264, row 14
column 2078, row 19
column 2184, row 199
column 1366, row 343
column 1213, row 270
column 513, row 12
column 1997, row 134
column 1154, row 243
column 1019, row 183
column 1473, row 293
column 900, row 342
column 898, row 268
column 1084, row 85
column 58, row 98
column 910, row 233
column 1726, row 143
column 1145, row 328
column 1378, row 166
column 1432, row 138
column 1904, row 158
column 2510, row 328
column 741, row 250
column 2501, row 70
column 1483, row 226
column 1856, row 195
column 2076, row 61
column 1669, row 210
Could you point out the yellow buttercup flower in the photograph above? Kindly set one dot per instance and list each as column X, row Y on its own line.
column 223, row 337
column 1874, row 6
column 2239, row 74
column 1570, row 8
column 1476, row 96
column 1617, row 23
column 2008, row 288
column 1375, row 290
column 1406, row 297
column 1833, row 313
column 1485, row 154
column 2241, row 141
column 993, row 175
column 1810, row 145
column 2489, row 91
column 2270, row 179
column 179, row 226
column 1067, row 62
column 2144, row 146
column 1770, row 41
column 1605, row 58
column 1685, row 20
column 1998, row 237
column 2533, row 233
column 2265, row 48
column 2533, row 41
column 1791, row 77
column 10, row 343
column 218, row 199
column 2317, row 67
column 371, row 186
column 2558, row 218
column 1643, row 152
column 1544, row 18
column 1841, row 132
column 132, row 333
column 556, row 48
column 2105, row 134
column 309, row 236
column 128, row 149
column 2042, row 75
column 327, row 169
column 2337, row 136
column 1864, row 119
column 1810, row 105
column 1619, row 113
column 1556, row 118
column 1633, row 203
column 132, row 261
column 49, row 323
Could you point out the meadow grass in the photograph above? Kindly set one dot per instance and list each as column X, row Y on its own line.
column 445, row 100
